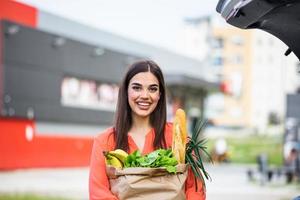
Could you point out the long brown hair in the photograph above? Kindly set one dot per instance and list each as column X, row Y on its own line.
column 123, row 118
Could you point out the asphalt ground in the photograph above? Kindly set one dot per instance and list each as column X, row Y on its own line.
column 229, row 182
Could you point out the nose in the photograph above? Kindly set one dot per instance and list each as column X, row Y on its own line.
column 145, row 94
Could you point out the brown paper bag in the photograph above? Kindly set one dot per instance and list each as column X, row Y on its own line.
column 138, row 183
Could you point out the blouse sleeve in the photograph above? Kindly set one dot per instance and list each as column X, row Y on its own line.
column 99, row 188
column 190, row 188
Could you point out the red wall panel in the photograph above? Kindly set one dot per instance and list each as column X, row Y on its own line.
column 21, row 150
column 18, row 12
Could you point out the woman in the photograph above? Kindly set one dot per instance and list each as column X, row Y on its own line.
column 140, row 123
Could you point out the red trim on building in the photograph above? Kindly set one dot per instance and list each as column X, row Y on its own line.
column 18, row 12
column 21, row 147
column 1, row 69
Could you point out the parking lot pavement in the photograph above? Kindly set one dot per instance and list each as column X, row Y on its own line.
column 64, row 182
column 229, row 182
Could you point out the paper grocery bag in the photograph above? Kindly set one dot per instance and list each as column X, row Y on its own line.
column 138, row 183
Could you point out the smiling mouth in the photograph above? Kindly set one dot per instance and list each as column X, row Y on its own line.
column 143, row 105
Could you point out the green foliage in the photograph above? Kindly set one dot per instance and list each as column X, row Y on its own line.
column 194, row 151
column 27, row 197
column 246, row 149
column 158, row 158
column 131, row 160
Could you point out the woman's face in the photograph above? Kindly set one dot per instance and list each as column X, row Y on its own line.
column 143, row 94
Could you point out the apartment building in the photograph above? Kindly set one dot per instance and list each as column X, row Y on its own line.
column 255, row 75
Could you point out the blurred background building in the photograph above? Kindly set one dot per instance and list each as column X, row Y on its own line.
column 61, row 63
column 255, row 77
column 60, row 80
column 60, row 85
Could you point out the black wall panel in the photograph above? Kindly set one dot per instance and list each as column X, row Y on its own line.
column 29, row 83
column 31, row 47
column 34, row 64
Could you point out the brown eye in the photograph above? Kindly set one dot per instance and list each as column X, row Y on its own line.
column 153, row 89
column 136, row 88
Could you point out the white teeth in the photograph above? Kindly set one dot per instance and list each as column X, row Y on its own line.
column 143, row 104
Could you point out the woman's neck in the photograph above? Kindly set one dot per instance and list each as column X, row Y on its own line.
column 140, row 125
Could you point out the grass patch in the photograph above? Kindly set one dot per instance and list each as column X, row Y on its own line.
column 21, row 196
column 246, row 149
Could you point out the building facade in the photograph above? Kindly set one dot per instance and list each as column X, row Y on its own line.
column 255, row 75
column 59, row 85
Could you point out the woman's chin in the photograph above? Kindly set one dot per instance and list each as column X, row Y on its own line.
column 143, row 113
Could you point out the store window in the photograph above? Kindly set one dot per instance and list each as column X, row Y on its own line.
column 88, row 94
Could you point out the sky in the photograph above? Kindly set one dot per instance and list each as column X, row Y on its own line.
column 156, row 22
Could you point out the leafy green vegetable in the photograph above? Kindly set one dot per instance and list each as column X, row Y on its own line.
column 131, row 160
column 171, row 169
column 158, row 158
column 194, row 148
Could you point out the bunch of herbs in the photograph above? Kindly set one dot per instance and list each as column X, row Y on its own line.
column 194, row 151
column 157, row 158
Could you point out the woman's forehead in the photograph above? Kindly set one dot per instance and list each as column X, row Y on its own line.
column 144, row 78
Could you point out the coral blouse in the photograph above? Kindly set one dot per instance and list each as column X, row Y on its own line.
column 99, row 188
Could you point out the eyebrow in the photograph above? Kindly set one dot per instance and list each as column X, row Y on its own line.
column 153, row 85
column 138, row 84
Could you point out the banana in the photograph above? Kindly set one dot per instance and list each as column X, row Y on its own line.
column 179, row 136
column 120, row 154
column 113, row 161
column 115, row 158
